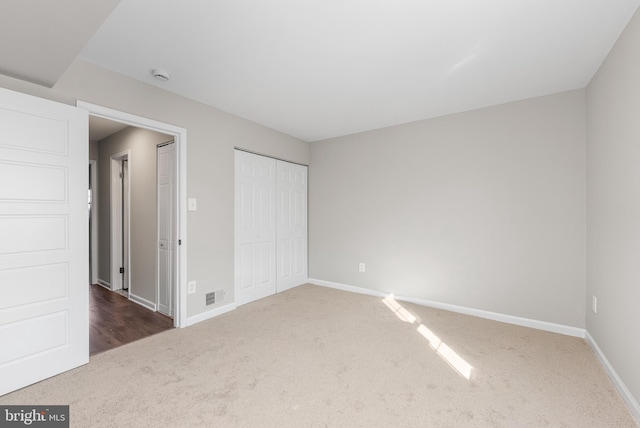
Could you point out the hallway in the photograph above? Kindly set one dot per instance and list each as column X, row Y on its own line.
column 115, row 320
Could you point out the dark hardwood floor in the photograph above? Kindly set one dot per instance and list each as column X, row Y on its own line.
column 115, row 320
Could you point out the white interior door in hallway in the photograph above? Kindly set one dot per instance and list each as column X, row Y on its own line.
column 270, row 226
column 44, row 302
column 120, row 221
column 167, row 228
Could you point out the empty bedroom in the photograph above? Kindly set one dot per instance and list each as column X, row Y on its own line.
column 374, row 214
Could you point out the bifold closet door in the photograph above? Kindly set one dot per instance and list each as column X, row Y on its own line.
column 255, row 227
column 292, row 225
column 270, row 226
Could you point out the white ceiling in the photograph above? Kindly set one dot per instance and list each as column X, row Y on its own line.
column 39, row 39
column 316, row 69
column 100, row 128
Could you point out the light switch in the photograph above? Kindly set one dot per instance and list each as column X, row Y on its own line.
column 192, row 204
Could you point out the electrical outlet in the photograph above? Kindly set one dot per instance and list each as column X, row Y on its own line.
column 361, row 267
column 594, row 304
column 191, row 287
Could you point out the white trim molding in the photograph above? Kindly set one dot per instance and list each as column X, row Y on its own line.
column 210, row 314
column 628, row 398
column 510, row 319
column 104, row 284
column 142, row 302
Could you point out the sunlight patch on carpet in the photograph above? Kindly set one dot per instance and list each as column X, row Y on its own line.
column 398, row 309
column 451, row 357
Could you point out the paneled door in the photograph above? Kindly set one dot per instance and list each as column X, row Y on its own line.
column 270, row 226
column 44, row 319
column 292, row 225
column 166, row 228
column 255, row 227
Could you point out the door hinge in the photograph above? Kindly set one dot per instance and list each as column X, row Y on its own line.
column 121, row 270
column 122, row 175
column 179, row 241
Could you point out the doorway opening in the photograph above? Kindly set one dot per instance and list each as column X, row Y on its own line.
column 159, row 282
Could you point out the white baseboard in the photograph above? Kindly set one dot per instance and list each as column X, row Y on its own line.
column 210, row 314
column 142, row 302
column 104, row 283
column 510, row 319
column 628, row 398
column 224, row 309
column 283, row 289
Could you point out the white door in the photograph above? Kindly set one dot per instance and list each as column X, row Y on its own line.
column 44, row 318
column 173, row 257
column 120, row 221
column 255, row 227
column 166, row 228
column 292, row 225
column 126, row 225
column 93, row 222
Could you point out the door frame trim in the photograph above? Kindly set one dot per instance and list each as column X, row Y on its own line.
column 180, row 137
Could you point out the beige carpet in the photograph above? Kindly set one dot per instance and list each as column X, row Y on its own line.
column 316, row 357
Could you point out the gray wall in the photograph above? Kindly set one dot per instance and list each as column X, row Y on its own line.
column 142, row 168
column 483, row 209
column 94, row 151
column 212, row 135
column 613, row 153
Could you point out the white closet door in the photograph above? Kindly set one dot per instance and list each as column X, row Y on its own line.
column 292, row 225
column 173, row 257
column 44, row 302
column 255, row 227
column 166, row 228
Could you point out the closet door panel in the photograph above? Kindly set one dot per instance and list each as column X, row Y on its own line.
column 255, row 227
column 270, row 226
column 292, row 225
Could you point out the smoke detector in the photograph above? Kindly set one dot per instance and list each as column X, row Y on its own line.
column 160, row 74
